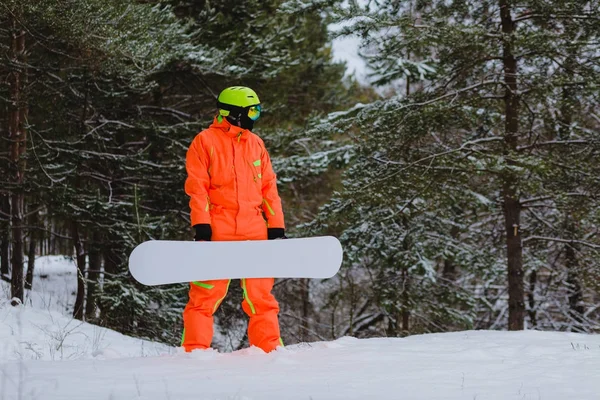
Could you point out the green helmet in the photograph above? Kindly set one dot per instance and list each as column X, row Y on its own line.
column 239, row 96
column 240, row 105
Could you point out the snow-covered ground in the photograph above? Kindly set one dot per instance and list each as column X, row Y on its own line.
column 54, row 284
column 32, row 334
column 43, row 329
column 47, row 355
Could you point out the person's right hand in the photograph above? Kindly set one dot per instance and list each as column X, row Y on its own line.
column 203, row 233
column 276, row 233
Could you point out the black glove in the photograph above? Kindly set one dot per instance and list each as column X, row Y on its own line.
column 203, row 232
column 276, row 233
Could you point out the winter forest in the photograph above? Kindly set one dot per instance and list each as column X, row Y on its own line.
column 462, row 174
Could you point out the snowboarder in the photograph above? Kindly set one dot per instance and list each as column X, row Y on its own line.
column 233, row 196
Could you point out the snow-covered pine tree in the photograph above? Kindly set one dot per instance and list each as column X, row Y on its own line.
column 441, row 211
column 92, row 71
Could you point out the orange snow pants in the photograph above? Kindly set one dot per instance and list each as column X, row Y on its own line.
column 259, row 303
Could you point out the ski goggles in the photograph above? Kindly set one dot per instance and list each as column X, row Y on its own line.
column 254, row 112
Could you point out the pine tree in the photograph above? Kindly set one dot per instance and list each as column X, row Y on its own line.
column 450, row 171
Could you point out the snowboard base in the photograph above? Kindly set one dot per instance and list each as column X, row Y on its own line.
column 161, row 262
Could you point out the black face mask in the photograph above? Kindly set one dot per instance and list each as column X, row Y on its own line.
column 237, row 116
column 242, row 120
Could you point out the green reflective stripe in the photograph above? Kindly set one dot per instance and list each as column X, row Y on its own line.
column 203, row 285
column 281, row 341
column 246, row 296
column 259, row 176
column 221, row 299
column 269, row 207
column 256, row 163
column 182, row 336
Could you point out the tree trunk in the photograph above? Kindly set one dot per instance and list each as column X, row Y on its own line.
column 80, row 255
column 111, row 266
column 574, row 288
column 531, row 298
column 405, row 309
column 568, row 104
column 30, row 263
column 575, row 291
column 305, row 294
column 510, row 185
column 449, row 271
column 5, row 238
column 17, row 283
column 5, row 192
column 52, row 238
column 17, row 138
column 79, row 309
column 33, row 236
column 93, row 277
column 111, row 263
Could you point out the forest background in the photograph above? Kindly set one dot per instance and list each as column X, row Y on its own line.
column 463, row 180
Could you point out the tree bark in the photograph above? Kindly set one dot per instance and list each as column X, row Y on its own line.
column 93, row 277
column 111, row 263
column 16, row 281
column 52, row 238
column 78, row 310
column 404, row 317
column 305, row 293
column 17, row 139
column 568, row 104
column 5, row 238
column 4, row 202
column 531, row 298
column 510, row 184
column 33, row 221
column 575, row 291
column 449, row 271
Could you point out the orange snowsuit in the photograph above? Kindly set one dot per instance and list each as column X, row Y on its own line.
column 233, row 188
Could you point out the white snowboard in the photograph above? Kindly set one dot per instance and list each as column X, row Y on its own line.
column 160, row 262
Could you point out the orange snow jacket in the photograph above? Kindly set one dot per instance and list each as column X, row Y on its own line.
column 231, row 183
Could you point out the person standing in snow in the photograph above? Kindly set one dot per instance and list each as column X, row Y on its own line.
column 233, row 196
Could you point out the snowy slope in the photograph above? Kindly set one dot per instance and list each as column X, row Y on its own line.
column 32, row 334
column 47, row 355
column 466, row 365
column 44, row 330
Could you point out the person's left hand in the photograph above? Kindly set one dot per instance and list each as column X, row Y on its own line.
column 203, row 233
